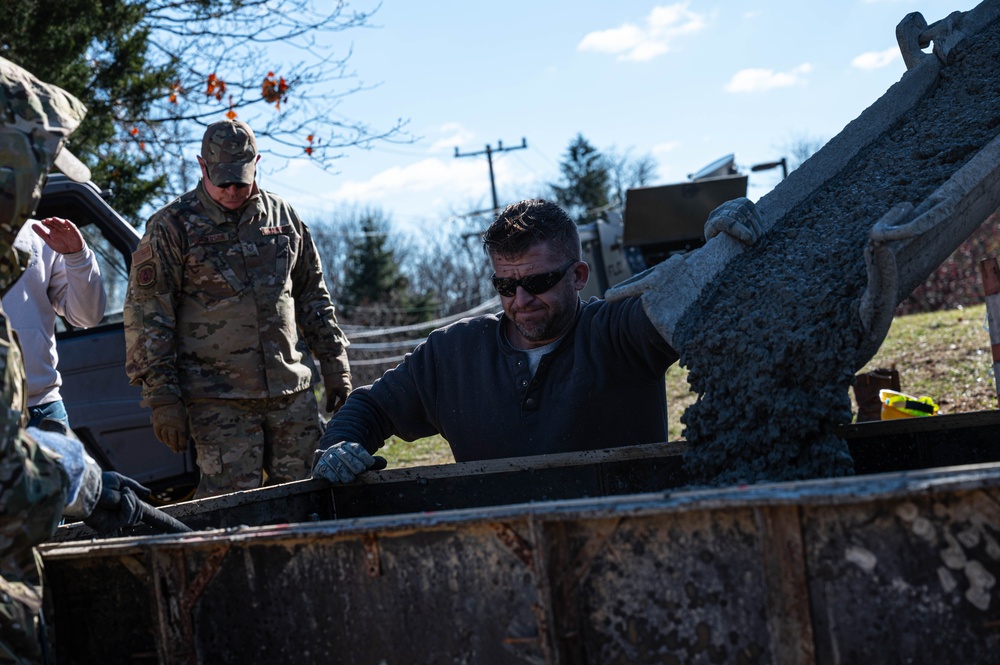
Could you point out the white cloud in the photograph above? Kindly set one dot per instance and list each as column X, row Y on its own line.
column 424, row 181
column 423, row 176
column 638, row 43
column 876, row 59
column 756, row 80
column 664, row 148
column 451, row 135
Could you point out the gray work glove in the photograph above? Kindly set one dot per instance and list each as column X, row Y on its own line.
column 170, row 424
column 738, row 219
column 119, row 504
column 343, row 462
column 337, row 387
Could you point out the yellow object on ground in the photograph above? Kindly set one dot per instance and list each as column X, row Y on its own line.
column 900, row 405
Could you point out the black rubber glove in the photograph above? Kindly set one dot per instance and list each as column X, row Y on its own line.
column 120, row 503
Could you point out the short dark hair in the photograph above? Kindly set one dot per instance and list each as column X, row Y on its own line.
column 524, row 224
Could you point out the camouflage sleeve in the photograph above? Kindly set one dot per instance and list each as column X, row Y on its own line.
column 150, row 310
column 32, row 484
column 314, row 311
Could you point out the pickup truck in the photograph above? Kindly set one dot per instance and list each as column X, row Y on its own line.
column 104, row 410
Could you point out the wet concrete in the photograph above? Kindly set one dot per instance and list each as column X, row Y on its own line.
column 772, row 343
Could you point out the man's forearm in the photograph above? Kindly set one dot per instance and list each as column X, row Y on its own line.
column 83, row 300
column 360, row 420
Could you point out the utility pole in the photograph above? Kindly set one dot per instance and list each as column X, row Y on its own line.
column 489, row 157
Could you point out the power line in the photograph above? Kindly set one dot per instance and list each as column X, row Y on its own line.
column 489, row 157
column 358, row 332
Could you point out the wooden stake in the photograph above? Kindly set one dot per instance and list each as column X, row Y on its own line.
column 990, row 270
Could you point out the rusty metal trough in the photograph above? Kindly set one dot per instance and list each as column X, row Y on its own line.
column 885, row 567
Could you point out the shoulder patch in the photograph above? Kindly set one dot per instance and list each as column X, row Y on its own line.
column 143, row 254
column 145, row 275
column 275, row 230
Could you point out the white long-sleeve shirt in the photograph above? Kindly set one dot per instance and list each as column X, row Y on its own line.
column 69, row 285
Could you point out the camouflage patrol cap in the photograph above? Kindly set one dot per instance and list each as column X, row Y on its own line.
column 46, row 114
column 229, row 149
column 35, row 120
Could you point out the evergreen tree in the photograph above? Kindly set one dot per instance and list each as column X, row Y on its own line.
column 155, row 73
column 97, row 51
column 375, row 290
column 372, row 273
column 585, row 190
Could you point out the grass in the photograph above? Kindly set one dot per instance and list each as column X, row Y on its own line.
column 945, row 355
column 422, row 452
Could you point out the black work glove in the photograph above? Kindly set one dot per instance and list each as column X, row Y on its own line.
column 120, row 503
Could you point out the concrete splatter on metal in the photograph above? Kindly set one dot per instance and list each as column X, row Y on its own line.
column 794, row 573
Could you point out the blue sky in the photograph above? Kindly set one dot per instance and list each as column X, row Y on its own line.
column 685, row 82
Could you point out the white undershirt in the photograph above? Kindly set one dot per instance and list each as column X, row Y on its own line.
column 535, row 355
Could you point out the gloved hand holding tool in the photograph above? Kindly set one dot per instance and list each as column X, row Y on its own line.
column 118, row 505
column 122, row 504
column 105, row 501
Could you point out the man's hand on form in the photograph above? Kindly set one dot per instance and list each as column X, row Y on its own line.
column 342, row 462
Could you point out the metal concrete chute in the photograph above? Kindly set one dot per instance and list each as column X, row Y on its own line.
column 909, row 242
column 906, row 244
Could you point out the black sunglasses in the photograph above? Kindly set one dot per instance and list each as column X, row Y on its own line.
column 533, row 284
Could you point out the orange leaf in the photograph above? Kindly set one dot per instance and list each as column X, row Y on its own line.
column 175, row 90
column 273, row 91
column 231, row 114
column 216, row 87
column 134, row 131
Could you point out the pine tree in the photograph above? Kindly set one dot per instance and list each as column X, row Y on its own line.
column 585, row 190
column 375, row 290
column 372, row 273
column 97, row 51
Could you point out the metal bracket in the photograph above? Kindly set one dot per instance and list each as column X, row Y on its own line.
column 373, row 556
column 908, row 34
column 517, row 545
column 913, row 35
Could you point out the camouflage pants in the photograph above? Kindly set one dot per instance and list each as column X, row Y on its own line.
column 19, row 607
column 240, row 443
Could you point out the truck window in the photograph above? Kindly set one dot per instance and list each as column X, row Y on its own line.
column 109, row 236
column 114, row 272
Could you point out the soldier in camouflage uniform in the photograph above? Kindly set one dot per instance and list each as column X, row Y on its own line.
column 226, row 300
column 44, row 475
